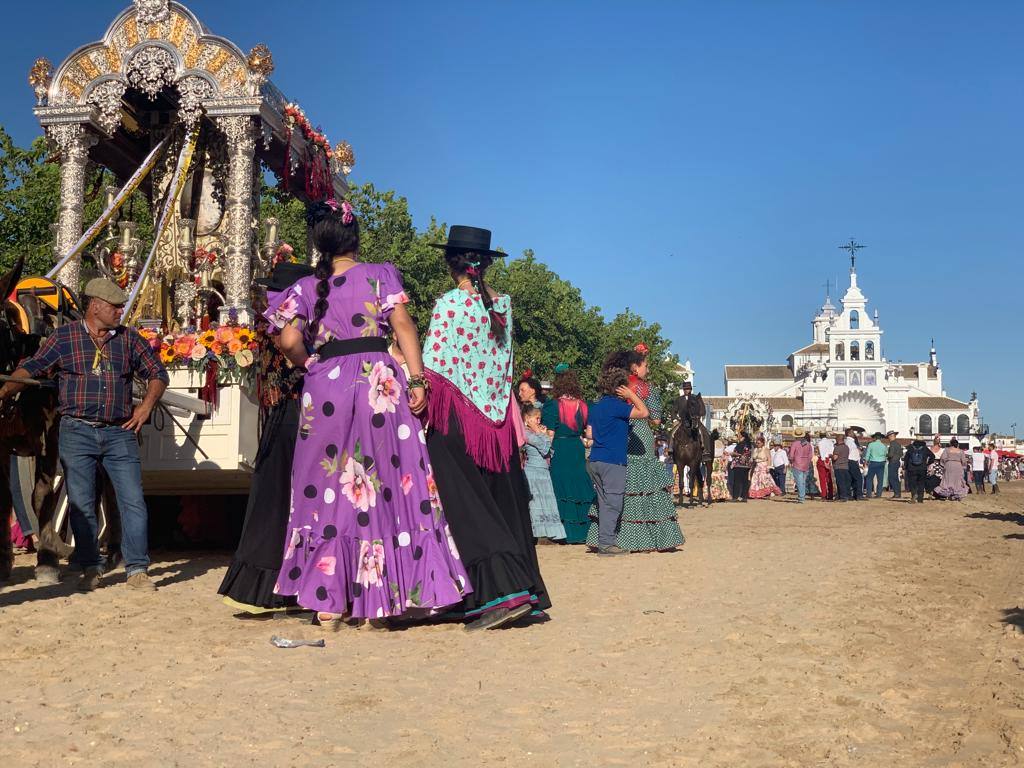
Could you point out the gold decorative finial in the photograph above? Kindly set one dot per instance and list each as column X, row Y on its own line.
column 345, row 157
column 40, row 77
column 260, row 61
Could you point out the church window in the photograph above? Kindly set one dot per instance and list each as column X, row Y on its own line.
column 787, row 422
column 855, row 350
column 963, row 424
column 869, row 351
column 869, row 378
column 945, row 425
column 840, row 378
column 854, row 378
column 925, row 425
column 840, row 351
column 854, row 320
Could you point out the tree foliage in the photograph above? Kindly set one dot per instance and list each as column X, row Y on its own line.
column 552, row 323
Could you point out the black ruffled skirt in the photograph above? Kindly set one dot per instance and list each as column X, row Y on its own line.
column 489, row 517
column 253, row 571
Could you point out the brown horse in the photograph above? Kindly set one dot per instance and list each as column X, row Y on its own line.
column 29, row 426
column 691, row 450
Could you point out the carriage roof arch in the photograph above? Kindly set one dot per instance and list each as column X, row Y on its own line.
column 152, row 44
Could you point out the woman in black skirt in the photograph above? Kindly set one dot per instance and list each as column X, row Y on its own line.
column 249, row 583
column 474, row 435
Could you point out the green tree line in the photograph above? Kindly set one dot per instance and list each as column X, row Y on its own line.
column 552, row 323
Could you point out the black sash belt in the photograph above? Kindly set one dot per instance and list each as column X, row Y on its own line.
column 343, row 347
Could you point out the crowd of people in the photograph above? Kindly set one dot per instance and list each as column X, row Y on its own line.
column 401, row 482
column 394, row 481
column 854, row 469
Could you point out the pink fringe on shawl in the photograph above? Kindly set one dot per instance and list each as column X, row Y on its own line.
column 491, row 444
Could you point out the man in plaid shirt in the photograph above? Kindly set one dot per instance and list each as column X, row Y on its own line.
column 95, row 361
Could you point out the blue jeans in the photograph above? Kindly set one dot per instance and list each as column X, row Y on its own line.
column 876, row 471
column 800, row 476
column 856, row 481
column 82, row 448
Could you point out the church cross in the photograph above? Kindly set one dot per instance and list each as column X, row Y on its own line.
column 828, row 285
column 852, row 247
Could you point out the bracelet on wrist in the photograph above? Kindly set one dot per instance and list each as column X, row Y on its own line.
column 418, row 381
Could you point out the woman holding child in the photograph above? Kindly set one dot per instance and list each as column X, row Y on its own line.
column 649, row 521
column 565, row 414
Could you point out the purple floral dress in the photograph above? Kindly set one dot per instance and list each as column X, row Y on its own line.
column 366, row 532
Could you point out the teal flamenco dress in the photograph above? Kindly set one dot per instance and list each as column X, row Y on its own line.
column 648, row 522
column 574, row 490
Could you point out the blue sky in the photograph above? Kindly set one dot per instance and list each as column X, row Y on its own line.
column 698, row 162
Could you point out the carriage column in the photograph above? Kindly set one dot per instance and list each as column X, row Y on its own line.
column 73, row 141
column 240, row 134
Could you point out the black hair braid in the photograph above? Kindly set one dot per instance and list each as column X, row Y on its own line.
column 332, row 237
column 474, row 265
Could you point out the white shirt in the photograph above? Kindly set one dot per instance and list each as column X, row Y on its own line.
column 826, row 447
column 978, row 461
column 854, row 450
column 779, row 457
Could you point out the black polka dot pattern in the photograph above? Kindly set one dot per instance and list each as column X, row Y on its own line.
column 328, row 409
column 357, row 589
column 363, row 519
column 294, row 573
column 321, row 593
column 387, row 494
column 417, row 553
column 331, row 451
column 358, row 320
column 378, row 420
column 309, row 492
column 395, row 461
column 330, row 531
column 339, row 281
column 425, row 506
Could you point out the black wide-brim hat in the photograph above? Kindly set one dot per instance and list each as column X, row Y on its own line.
column 474, row 239
column 284, row 276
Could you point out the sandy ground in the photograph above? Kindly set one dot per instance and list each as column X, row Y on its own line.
column 872, row 634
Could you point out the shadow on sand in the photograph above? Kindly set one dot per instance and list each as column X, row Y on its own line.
column 166, row 570
column 1004, row 517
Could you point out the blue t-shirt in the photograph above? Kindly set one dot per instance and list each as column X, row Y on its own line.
column 609, row 423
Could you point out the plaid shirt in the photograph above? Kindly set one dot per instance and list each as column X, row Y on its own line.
column 95, row 382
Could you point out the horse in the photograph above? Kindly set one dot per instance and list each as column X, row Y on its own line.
column 29, row 426
column 691, row 451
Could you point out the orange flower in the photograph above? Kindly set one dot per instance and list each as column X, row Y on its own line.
column 217, row 347
column 224, row 334
column 234, row 346
column 183, row 344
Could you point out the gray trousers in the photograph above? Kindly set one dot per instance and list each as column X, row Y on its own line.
column 610, row 485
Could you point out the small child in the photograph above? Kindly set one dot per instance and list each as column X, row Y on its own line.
column 609, row 428
column 547, row 525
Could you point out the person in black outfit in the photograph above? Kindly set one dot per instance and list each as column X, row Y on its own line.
column 741, row 464
column 249, row 581
column 915, row 466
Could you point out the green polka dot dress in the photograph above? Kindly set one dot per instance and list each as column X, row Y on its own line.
column 649, row 521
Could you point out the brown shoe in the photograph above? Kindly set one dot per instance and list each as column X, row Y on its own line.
column 141, row 582
column 89, row 580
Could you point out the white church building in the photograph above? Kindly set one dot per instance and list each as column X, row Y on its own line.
column 841, row 379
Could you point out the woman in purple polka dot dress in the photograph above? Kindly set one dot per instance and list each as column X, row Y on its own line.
column 367, row 537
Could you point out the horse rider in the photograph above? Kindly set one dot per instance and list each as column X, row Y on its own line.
column 691, row 410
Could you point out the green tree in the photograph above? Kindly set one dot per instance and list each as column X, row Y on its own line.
column 29, row 197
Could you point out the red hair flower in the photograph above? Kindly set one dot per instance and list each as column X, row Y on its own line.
column 642, row 348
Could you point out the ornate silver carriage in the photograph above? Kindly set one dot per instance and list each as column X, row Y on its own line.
column 183, row 115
